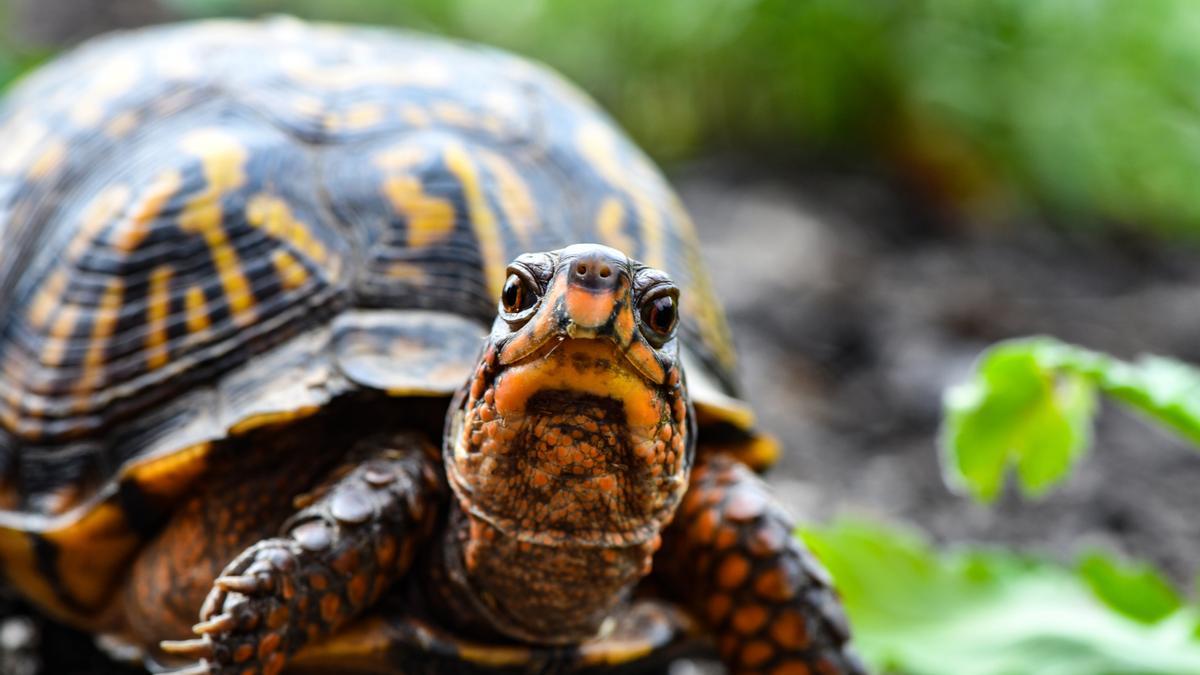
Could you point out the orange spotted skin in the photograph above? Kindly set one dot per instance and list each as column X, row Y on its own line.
column 571, row 450
column 730, row 555
column 241, row 261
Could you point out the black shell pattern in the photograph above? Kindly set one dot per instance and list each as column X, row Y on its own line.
column 175, row 202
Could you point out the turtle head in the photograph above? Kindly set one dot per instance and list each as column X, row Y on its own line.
column 576, row 427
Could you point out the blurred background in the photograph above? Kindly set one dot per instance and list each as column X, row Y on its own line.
column 882, row 189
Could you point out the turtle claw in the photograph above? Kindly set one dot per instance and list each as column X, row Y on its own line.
column 222, row 623
column 201, row 668
column 246, row 584
column 199, row 648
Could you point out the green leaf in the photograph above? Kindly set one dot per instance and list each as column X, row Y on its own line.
column 1139, row 592
column 1015, row 411
column 983, row 612
column 1030, row 403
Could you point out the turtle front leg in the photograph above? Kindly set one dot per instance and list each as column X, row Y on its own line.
column 731, row 557
column 333, row 559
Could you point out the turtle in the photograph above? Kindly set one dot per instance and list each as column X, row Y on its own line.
column 347, row 349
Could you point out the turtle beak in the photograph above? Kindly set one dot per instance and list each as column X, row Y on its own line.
column 596, row 293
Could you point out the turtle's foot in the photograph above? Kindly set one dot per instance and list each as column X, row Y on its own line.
column 730, row 554
column 335, row 558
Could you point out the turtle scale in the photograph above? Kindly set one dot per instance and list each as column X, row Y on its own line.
column 245, row 221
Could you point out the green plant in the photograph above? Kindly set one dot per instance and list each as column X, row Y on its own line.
column 990, row 612
column 1030, row 403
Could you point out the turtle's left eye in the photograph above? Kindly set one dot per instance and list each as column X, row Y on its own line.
column 518, row 294
column 659, row 315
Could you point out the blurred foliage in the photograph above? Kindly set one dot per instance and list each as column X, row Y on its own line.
column 1030, row 405
column 984, row 612
column 1085, row 106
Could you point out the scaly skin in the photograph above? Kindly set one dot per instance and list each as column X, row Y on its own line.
column 731, row 557
column 332, row 560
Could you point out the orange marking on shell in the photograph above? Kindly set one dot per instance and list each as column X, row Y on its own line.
column 196, row 310
column 99, row 212
column 610, row 224
column 483, row 221
column 414, row 115
column 158, row 307
column 131, row 233
column 223, row 158
column 51, row 158
column 60, row 334
column 291, row 273
column 429, row 219
column 104, row 323
column 362, row 116
column 121, row 124
column 273, row 215
column 516, row 200
column 408, row 272
column 49, row 298
column 453, row 114
column 400, row 158
column 588, row 309
column 598, row 144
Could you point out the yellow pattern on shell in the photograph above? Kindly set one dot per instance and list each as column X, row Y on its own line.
column 60, row 334
column 48, row 298
column 104, row 324
column 196, row 310
column 131, row 233
column 101, row 211
column 273, row 215
column 516, row 200
column 483, row 221
column 158, row 307
column 610, row 225
column 51, row 158
column 291, row 273
column 599, row 145
column 429, row 219
column 453, row 114
column 224, row 160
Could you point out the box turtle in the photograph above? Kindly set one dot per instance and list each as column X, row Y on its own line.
column 252, row 414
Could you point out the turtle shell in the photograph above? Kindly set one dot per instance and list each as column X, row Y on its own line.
column 212, row 227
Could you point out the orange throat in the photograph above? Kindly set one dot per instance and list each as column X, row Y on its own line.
column 566, row 466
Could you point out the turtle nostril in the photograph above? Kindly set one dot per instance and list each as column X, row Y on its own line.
column 605, row 271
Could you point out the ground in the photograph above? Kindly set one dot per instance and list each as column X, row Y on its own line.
column 853, row 307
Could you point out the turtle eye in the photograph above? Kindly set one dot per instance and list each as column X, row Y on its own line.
column 659, row 315
column 518, row 294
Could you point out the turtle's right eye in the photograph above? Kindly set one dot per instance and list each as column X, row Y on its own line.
column 519, row 294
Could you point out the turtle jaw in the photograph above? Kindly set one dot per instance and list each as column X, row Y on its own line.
column 570, row 446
